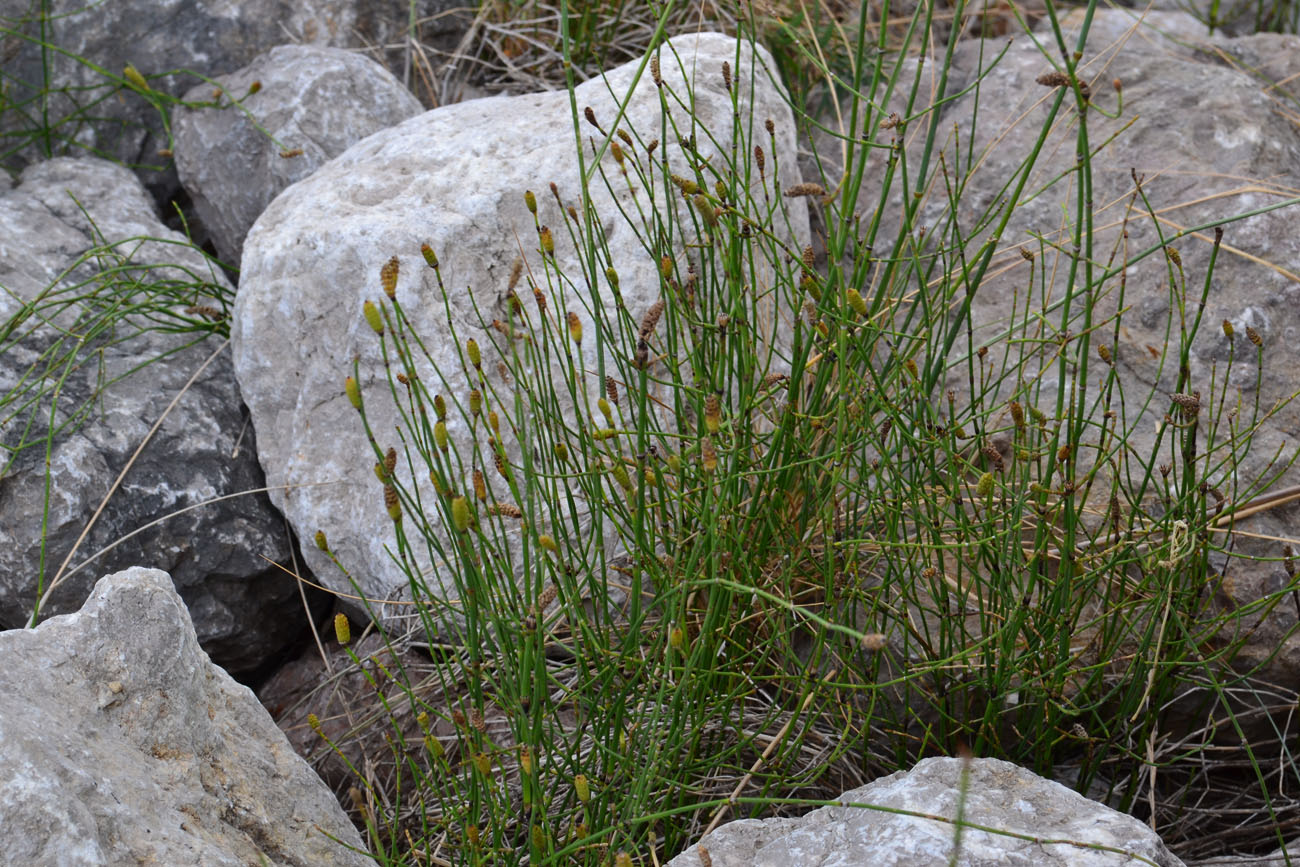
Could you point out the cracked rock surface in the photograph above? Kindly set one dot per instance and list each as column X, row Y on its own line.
column 121, row 743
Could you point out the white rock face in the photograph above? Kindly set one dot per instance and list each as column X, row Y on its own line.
column 999, row 795
column 121, row 743
column 312, row 99
column 455, row 178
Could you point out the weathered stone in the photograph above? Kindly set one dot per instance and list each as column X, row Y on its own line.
column 1212, row 137
column 208, row 38
column 1206, row 143
column 1043, row 822
column 121, row 743
column 454, row 178
column 222, row 554
column 1125, row 31
column 201, row 38
column 1272, row 59
column 1229, row 17
column 312, row 99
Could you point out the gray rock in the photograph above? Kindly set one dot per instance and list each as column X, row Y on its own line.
column 221, row 555
column 1229, row 17
column 1172, row 32
column 1207, row 143
column 312, row 99
column 1062, row 826
column 454, row 178
column 1269, row 58
column 202, row 38
column 121, row 743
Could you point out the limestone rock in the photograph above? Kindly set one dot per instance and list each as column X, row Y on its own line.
column 1271, row 58
column 121, row 743
column 454, row 178
column 1230, row 17
column 1207, row 143
column 88, row 218
column 312, row 99
column 999, row 796
column 202, row 38
column 205, row 37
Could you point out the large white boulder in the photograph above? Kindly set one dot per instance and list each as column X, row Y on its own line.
column 455, row 178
